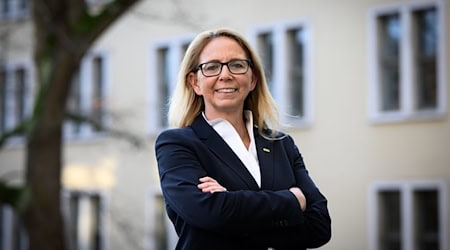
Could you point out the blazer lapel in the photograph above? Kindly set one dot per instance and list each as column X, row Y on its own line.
column 222, row 151
column 264, row 150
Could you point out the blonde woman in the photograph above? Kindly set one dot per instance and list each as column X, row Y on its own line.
column 230, row 180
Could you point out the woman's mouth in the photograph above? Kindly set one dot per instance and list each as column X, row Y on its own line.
column 228, row 90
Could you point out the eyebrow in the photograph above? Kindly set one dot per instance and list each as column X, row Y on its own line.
column 216, row 60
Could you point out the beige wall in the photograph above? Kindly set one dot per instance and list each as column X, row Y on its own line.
column 344, row 151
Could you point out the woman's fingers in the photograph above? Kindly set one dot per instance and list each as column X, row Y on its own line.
column 300, row 197
column 209, row 185
column 207, row 179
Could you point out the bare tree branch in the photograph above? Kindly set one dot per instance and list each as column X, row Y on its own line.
column 133, row 139
column 19, row 129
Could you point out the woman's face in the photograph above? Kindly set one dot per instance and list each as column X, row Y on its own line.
column 225, row 93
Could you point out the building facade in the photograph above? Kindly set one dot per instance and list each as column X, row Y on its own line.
column 362, row 86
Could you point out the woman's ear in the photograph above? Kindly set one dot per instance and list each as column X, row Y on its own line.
column 254, row 81
column 192, row 78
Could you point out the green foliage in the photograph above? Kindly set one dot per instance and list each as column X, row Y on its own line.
column 15, row 196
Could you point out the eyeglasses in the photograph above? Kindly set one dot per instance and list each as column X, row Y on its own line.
column 236, row 66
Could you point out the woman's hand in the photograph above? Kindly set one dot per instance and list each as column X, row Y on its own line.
column 209, row 185
column 300, row 197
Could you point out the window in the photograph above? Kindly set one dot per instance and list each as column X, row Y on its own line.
column 408, row 215
column 85, row 217
column 15, row 95
column 12, row 230
column 160, row 231
column 165, row 59
column 285, row 51
column 14, row 9
column 85, row 220
column 265, row 48
column 406, row 45
column 88, row 96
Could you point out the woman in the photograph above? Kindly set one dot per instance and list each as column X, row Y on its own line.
column 228, row 179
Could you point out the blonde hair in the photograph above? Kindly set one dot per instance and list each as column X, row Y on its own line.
column 185, row 105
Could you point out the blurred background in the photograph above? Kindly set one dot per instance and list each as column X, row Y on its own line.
column 362, row 86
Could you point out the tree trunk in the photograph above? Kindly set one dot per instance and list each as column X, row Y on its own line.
column 44, row 162
column 43, row 217
column 64, row 31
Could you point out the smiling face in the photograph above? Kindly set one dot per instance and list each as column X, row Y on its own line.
column 225, row 93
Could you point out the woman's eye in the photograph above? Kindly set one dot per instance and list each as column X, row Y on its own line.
column 237, row 65
column 211, row 67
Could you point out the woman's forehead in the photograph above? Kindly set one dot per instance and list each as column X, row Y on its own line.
column 222, row 48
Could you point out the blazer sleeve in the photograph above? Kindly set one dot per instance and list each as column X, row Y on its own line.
column 178, row 154
column 316, row 229
column 317, row 224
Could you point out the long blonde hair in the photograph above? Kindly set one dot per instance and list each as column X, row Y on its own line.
column 185, row 105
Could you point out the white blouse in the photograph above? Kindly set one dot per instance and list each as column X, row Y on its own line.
column 232, row 138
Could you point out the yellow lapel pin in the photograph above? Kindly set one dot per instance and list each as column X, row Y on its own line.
column 266, row 150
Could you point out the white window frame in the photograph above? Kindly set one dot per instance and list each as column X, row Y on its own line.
column 280, row 74
column 175, row 56
column 8, row 214
column 150, row 214
column 10, row 117
column 406, row 112
column 104, row 201
column 406, row 189
column 85, row 76
column 15, row 12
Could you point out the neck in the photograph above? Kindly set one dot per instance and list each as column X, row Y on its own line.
column 237, row 121
column 236, row 118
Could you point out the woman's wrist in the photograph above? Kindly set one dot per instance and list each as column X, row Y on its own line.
column 300, row 197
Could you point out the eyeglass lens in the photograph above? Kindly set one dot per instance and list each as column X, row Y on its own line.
column 215, row 68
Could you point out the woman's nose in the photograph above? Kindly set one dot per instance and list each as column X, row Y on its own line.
column 225, row 73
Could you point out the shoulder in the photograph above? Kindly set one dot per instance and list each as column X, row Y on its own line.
column 273, row 135
column 171, row 140
column 176, row 133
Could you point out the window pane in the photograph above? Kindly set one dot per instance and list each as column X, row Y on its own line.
column 23, row 4
column 425, row 22
column 74, row 101
column 20, row 94
column 94, row 230
column 5, row 7
column 426, row 216
column 184, row 48
column 265, row 49
column 296, row 47
column 13, row 8
column 73, row 220
column 389, row 31
column 2, row 101
column 18, row 230
column 160, row 224
column 97, row 93
column 389, row 220
column 163, row 85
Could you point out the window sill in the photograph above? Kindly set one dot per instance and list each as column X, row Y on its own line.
column 399, row 117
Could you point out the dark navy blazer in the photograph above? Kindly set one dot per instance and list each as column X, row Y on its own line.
column 245, row 217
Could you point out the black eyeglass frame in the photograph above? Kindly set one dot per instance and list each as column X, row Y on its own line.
column 249, row 63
